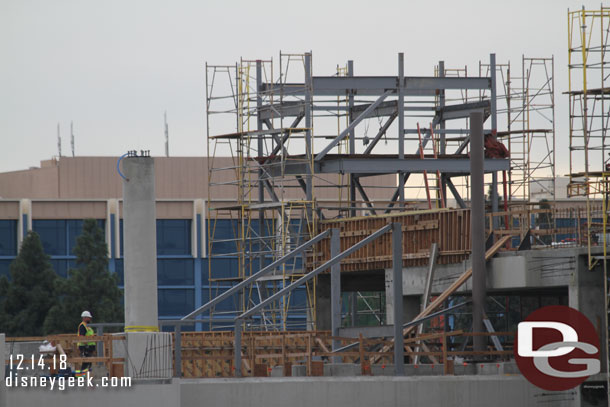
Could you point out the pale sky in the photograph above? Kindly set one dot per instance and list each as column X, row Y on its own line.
column 113, row 67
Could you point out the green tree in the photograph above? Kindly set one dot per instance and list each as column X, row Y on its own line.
column 89, row 286
column 28, row 296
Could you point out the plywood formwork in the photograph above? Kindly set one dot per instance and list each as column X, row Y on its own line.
column 211, row 354
column 449, row 228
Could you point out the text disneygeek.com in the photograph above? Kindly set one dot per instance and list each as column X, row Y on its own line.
column 61, row 383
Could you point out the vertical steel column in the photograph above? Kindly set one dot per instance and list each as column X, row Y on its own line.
column 494, row 131
column 442, row 126
column 178, row 350
column 352, row 139
column 399, row 352
column 237, row 348
column 260, row 152
column 401, row 125
column 477, row 227
column 308, row 136
column 335, row 290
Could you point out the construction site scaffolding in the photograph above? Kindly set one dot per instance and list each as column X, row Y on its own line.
column 272, row 178
column 248, row 189
column 589, row 104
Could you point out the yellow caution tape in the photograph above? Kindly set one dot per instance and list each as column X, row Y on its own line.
column 142, row 328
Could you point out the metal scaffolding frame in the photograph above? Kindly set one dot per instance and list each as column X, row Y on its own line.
column 589, row 103
column 526, row 103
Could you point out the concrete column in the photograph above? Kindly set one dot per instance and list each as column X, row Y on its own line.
column 586, row 294
column 140, row 244
column 477, row 228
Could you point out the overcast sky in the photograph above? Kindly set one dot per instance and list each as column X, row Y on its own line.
column 114, row 67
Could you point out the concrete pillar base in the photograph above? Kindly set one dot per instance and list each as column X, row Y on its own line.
column 149, row 355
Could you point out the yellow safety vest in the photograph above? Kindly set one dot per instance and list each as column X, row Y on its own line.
column 89, row 333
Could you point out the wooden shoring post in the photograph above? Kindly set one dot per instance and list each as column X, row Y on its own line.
column 284, row 352
column 309, row 357
column 252, row 355
column 361, row 351
column 109, row 354
column 445, row 361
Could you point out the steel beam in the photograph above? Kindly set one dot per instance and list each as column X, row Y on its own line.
column 397, row 192
column 380, row 133
column 352, row 136
column 372, row 165
column 308, row 135
column 315, row 272
column 378, row 85
column 455, row 193
column 335, row 289
column 401, row 125
column 442, row 127
column 463, row 146
column 399, row 349
column 297, row 251
column 349, row 129
column 477, row 228
column 366, row 198
column 494, row 129
column 280, row 146
column 428, row 287
column 462, row 111
column 259, row 151
column 386, row 108
column 284, row 109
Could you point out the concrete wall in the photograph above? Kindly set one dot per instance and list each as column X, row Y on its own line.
column 145, row 395
column 586, row 294
column 446, row 391
column 507, row 271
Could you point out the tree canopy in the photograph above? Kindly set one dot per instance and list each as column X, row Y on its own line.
column 90, row 286
column 29, row 295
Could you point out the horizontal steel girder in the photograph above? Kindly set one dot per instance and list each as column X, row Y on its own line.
column 378, row 166
column 377, row 85
column 388, row 166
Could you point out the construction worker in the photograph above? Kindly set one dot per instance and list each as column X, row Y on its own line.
column 86, row 348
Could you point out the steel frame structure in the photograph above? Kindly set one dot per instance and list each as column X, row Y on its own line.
column 294, row 133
